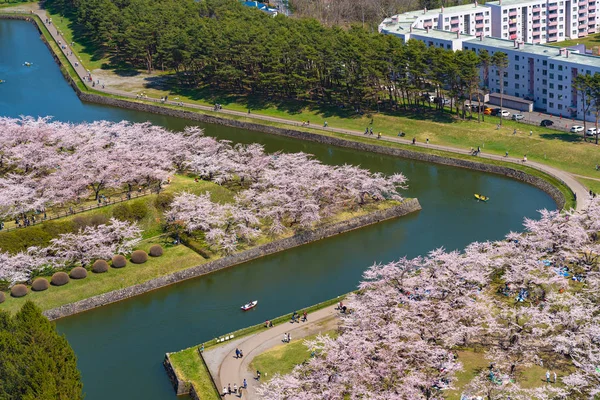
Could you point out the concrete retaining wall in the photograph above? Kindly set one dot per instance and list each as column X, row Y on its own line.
column 181, row 387
column 299, row 239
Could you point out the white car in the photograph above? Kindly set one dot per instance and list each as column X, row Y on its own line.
column 505, row 113
column 576, row 129
column 591, row 131
column 518, row 117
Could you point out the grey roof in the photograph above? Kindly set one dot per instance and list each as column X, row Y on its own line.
column 513, row 2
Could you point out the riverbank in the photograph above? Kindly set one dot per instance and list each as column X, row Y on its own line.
column 566, row 184
column 198, row 373
column 298, row 239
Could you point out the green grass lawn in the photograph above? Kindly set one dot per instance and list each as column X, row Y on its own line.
column 283, row 358
column 191, row 368
column 175, row 258
column 589, row 41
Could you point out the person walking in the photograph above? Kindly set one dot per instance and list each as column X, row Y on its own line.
column 240, row 393
column 237, row 353
column 235, row 388
column 530, row 133
column 525, row 158
column 506, row 154
column 245, row 383
column 229, row 388
column 289, row 338
column 305, row 316
column 284, row 337
column 257, row 375
column 224, row 391
column 554, row 381
column 427, row 141
column 414, row 140
column 547, row 376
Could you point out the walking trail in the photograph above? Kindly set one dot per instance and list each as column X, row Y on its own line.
column 227, row 369
column 579, row 189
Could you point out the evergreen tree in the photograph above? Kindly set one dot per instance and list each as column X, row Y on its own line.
column 36, row 363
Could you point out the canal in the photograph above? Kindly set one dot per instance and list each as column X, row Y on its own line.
column 120, row 347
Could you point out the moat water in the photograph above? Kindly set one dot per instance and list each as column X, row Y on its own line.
column 120, row 347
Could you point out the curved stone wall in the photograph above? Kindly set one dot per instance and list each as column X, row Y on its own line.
column 299, row 239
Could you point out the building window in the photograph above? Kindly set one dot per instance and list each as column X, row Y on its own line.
column 551, row 95
column 551, row 66
column 551, row 105
column 516, row 76
column 516, row 86
column 560, row 87
column 544, row 63
column 551, row 76
column 505, row 19
column 516, row 67
column 544, row 101
column 560, row 77
column 560, row 106
column 516, row 58
column 544, row 91
column 560, row 67
column 544, row 82
column 551, row 86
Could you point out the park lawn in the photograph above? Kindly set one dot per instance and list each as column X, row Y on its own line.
column 474, row 362
column 283, row 358
column 191, row 368
column 589, row 41
column 591, row 184
column 175, row 258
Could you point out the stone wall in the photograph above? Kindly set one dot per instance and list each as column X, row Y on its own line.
column 298, row 239
column 181, row 387
column 540, row 183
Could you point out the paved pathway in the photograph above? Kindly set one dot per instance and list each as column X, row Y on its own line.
column 226, row 369
column 568, row 178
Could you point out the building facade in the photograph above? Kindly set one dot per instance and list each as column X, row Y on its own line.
column 530, row 21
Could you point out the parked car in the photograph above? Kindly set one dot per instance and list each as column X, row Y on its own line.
column 576, row 129
column 591, row 131
column 428, row 97
column 546, row 122
column 488, row 111
column 518, row 117
column 496, row 111
column 505, row 113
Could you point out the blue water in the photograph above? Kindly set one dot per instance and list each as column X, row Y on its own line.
column 121, row 346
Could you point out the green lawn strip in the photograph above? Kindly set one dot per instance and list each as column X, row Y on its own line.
column 191, row 368
column 175, row 258
column 591, row 184
column 283, row 358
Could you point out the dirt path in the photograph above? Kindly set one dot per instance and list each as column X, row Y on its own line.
column 227, row 369
column 579, row 189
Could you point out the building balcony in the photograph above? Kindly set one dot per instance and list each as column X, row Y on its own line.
column 478, row 34
column 582, row 34
column 552, row 8
column 512, row 14
column 592, row 30
column 512, row 29
column 552, row 23
column 452, row 19
column 513, row 36
column 427, row 25
column 536, row 25
column 552, row 31
column 455, row 29
column 592, row 8
column 479, row 18
column 582, row 19
column 479, row 25
column 536, row 41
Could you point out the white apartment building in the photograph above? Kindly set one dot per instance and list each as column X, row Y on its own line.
column 543, row 74
column 431, row 37
column 531, row 21
column 471, row 19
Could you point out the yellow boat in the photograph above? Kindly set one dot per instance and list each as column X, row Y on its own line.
column 481, row 197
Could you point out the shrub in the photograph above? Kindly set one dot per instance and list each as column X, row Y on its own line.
column 119, row 261
column 163, row 201
column 40, row 284
column 139, row 210
column 100, row 266
column 83, row 221
column 122, row 212
column 59, row 279
column 78, row 273
column 156, row 250
column 18, row 290
column 2, row 297
column 139, row 257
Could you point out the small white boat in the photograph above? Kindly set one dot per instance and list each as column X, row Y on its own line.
column 250, row 305
column 27, row 64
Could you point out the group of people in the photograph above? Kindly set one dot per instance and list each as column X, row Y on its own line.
column 235, row 389
column 238, row 353
column 286, row 338
column 218, row 107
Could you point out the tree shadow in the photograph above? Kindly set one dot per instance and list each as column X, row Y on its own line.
column 565, row 137
column 96, row 51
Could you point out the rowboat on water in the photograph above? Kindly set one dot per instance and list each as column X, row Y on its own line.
column 250, row 305
column 481, row 197
column 27, row 64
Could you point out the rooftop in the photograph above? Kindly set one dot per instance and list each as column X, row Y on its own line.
column 437, row 34
column 514, row 2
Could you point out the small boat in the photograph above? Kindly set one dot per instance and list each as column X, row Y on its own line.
column 27, row 64
column 481, row 197
column 250, row 305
